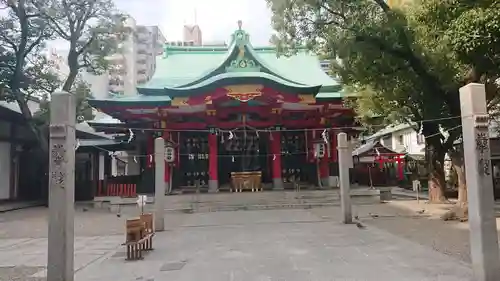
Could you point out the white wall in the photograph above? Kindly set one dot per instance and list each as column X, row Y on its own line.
column 407, row 140
column 4, row 170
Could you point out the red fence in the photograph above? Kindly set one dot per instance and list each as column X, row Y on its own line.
column 123, row 186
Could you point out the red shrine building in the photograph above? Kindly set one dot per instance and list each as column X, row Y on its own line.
column 226, row 112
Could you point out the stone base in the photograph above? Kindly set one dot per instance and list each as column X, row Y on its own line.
column 167, row 188
column 325, row 182
column 333, row 181
column 385, row 193
column 213, row 186
column 278, row 184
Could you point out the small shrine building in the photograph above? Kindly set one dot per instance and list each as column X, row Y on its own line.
column 227, row 110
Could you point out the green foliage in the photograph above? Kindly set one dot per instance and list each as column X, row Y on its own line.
column 23, row 71
column 406, row 65
column 83, row 110
column 93, row 29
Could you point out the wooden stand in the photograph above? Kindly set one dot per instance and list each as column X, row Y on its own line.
column 246, row 180
column 147, row 219
column 139, row 236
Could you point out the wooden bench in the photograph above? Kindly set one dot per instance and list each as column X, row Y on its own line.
column 139, row 236
column 246, row 180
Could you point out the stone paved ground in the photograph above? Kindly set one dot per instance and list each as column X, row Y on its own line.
column 242, row 245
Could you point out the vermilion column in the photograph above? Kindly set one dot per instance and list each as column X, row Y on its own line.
column 276, row 160
column 324, row 170
column 213, row 180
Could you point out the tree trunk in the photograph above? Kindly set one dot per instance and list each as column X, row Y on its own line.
column 435, row 167
column 462, row 185
column 73, row 69
column 457, row 160
column 42, row 153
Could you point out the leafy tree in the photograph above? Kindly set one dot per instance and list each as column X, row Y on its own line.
column 407, row 64
column 23, row 70
column 468, row 32
column 84, row 112
column 93, row 29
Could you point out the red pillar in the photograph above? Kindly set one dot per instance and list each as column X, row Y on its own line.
column 276, row 159
column 400, row 161
column 324, row 172
column 213, row 172
column 333, row 148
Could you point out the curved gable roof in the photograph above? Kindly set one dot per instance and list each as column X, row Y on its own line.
column 186, row 67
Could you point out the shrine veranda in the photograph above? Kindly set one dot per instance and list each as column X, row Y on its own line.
column 225, row 110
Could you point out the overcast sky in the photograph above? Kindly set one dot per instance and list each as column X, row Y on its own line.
column 216, row 18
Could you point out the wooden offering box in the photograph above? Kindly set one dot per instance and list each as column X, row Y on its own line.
column 135, row 229
column 147, row 219
column 246, row 181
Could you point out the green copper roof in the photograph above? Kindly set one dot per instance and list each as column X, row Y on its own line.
column 188, row 68
column 226, row 79
column 127, row 100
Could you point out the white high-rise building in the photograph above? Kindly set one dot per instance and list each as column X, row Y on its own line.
column 134, row 63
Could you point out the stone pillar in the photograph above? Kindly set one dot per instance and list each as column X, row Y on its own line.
column 482, row 222
column 101, row 176
column 60, row 258
column 114, row 166
column 167, row 178
column 276, row 159
column 160, row 185
column 213, row 173
column 345, row 161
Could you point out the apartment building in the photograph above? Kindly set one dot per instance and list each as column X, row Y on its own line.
column 134, row 63
column 192, row 33
column 192, row 36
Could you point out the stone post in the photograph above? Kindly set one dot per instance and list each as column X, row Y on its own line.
column 345, row 160
column 60, row 251
column 482, row 222
column 102, row 187
column 114, row 166
column 159, row 184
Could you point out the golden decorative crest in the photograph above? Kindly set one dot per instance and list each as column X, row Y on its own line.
column 241, row 53
column 276, row 110
column 208, row 100
column 307, row 99
column 180, row 101
column 244, row 93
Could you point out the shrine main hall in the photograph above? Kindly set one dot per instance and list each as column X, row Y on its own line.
column 227, row 112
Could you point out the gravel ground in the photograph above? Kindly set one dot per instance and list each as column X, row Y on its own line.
column 402, row 218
